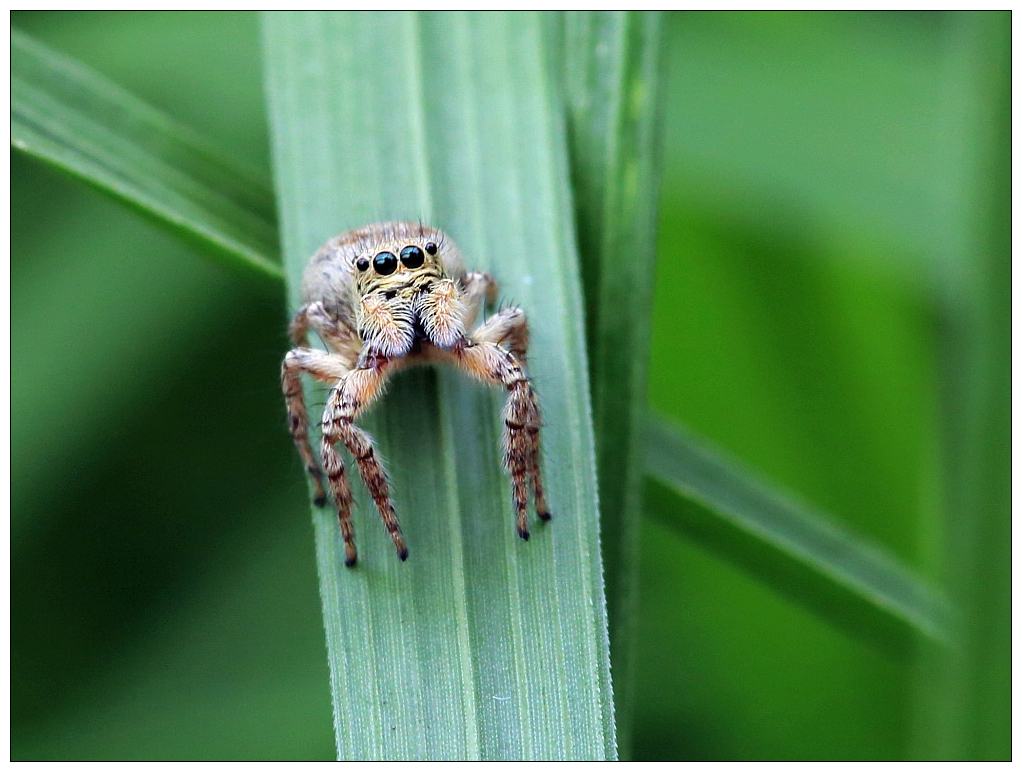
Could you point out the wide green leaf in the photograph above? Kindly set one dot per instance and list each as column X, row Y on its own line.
column 612, row 86
column 480, row 645
column 787, row 544
column 71, row 117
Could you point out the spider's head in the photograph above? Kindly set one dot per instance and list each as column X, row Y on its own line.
column 398, row 275
column 397, row 265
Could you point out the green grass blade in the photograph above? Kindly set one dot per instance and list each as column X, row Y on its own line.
column 612, row 79
column 72, row 118
column 964, row 700
column 481, row 645
column 800, row 552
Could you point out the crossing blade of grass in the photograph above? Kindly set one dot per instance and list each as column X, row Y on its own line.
column 785, row 543
column 612, row 78
column 481, row 645
column 76, row 120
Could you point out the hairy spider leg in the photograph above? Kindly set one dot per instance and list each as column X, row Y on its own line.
column 336, row 330
column 478, row 289
column 347, row 401
column 484, row 358
column 329, row 368
column 511, row 328
column 343, row 340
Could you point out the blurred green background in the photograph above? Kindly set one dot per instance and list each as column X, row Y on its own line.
column 164, row 599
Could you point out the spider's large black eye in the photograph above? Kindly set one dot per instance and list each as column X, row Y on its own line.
column 362, row 263
column 412, row 257
column 385, row 263
column 431, row 248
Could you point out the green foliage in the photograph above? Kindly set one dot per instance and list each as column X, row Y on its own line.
column 787, row 545
column 965, row 694
column 612, row 73
column 163, row 584
column 481, row 645
column 793, row 324
column 68, row 116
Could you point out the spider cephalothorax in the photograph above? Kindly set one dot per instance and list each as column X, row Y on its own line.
column 405, row 293
column 382, row 297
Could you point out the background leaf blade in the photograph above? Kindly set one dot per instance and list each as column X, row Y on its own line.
column 785, row 542
column 963, row 699
column 613, row 68
column 68, row 116
column 482, row 646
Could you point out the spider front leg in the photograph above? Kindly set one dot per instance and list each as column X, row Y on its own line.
column 324, row 367
column 485, row 359
column 335, row 329
column 347, row 401
column 337, row 333
column 479, row 289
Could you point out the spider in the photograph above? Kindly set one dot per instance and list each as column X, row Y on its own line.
column 383, row 297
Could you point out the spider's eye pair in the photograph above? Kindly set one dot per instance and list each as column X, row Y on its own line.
column 385, row 263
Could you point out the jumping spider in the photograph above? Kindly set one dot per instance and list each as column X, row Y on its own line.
column 383, row 297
